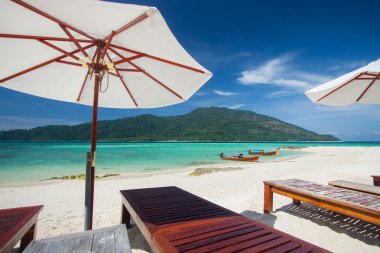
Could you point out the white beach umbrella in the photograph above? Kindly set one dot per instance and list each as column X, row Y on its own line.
column 359, row 86
column 54, row 48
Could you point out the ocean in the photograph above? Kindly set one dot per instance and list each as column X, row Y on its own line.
column 35, row 161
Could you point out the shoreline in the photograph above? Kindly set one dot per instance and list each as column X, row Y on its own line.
column 143, row 174
column 240, row 191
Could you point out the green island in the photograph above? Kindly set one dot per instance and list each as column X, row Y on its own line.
column 202, row 124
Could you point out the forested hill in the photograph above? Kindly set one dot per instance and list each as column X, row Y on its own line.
column 203, row 124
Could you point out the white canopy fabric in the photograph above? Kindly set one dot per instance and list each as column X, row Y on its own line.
column 359, row 86
column 160, row 72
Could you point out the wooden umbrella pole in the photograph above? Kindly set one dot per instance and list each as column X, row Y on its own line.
column 90, row 170
column 90, row 166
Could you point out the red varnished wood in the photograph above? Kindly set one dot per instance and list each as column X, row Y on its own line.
column 18, row 224
column 173, row 220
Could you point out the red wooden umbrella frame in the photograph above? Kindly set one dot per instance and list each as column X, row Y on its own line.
column 95, row 65
column 373, row 77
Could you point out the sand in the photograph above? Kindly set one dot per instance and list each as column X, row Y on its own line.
column 240, row 191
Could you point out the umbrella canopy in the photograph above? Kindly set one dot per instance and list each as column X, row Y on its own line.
column 54, row 48
column 359, row 86
column 48, row 47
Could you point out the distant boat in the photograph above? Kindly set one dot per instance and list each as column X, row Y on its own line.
column 239, row 157
column 262, row 153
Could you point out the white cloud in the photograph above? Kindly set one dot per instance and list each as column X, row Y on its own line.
column 375, row 132
column 266, row 72
column 348, row 65
column 280, row 93
column 292, row 83
column 279, row 71
column 235, row 106
column 225, row 93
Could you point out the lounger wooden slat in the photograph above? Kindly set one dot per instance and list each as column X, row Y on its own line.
column 18, row 224
column 356, row 186
column 183, row 222
column 353, row 203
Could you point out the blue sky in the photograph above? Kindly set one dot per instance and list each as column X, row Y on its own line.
column 263, row 54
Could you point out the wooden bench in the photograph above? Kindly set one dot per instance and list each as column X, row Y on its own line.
column 356, row 186
column 356, row 204
column 173, row 220
column 18, row 224
column 105, row 240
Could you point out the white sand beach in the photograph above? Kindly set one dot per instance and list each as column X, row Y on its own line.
column 240, row 191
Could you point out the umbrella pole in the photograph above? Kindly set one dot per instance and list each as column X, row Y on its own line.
column 90, row 167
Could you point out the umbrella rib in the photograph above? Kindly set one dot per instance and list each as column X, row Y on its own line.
column 143, row 71
column 156, row 80
column 82, row 87
column 41, row 65
column 367, row 88
column 123, row 82
column 128, row 25
column 85, row 79
column 59, row 49
column 158, row 59
column 73, row 40
column 44, row 14
column 128, row 59
column 113, row 33
column 129, row 70
column 31, row 37
column 341, row 86
column 70, row 63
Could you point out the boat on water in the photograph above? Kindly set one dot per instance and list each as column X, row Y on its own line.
column 263, row 153
column 239, row 157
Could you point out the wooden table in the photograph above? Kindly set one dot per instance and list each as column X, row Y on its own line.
column 105, row 240
column 18, row 224
column 173, row 220
column 356, row 204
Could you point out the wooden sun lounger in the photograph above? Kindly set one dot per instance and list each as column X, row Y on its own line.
column 356, row 186
column 352, row 203
column 173, row 220
column 18, row 224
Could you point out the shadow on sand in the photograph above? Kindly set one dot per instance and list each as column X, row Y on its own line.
column 268, row 219
column 357, row 229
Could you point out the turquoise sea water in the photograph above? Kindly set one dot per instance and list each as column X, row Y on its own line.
column 34, row 161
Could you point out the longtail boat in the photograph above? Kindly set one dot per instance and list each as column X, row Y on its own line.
column 262, row 153
column 239, row 158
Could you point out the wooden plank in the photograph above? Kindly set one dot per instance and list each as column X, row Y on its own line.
column 356, row 186
column 215, row 237
column 18, row 224
column 122, row 240
column 34, row 246
column 198, row 230
column 266, row 246
column 76, row 244
column 193, row 228
column 236, row 243
column 105, row 240
column 290, row 246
